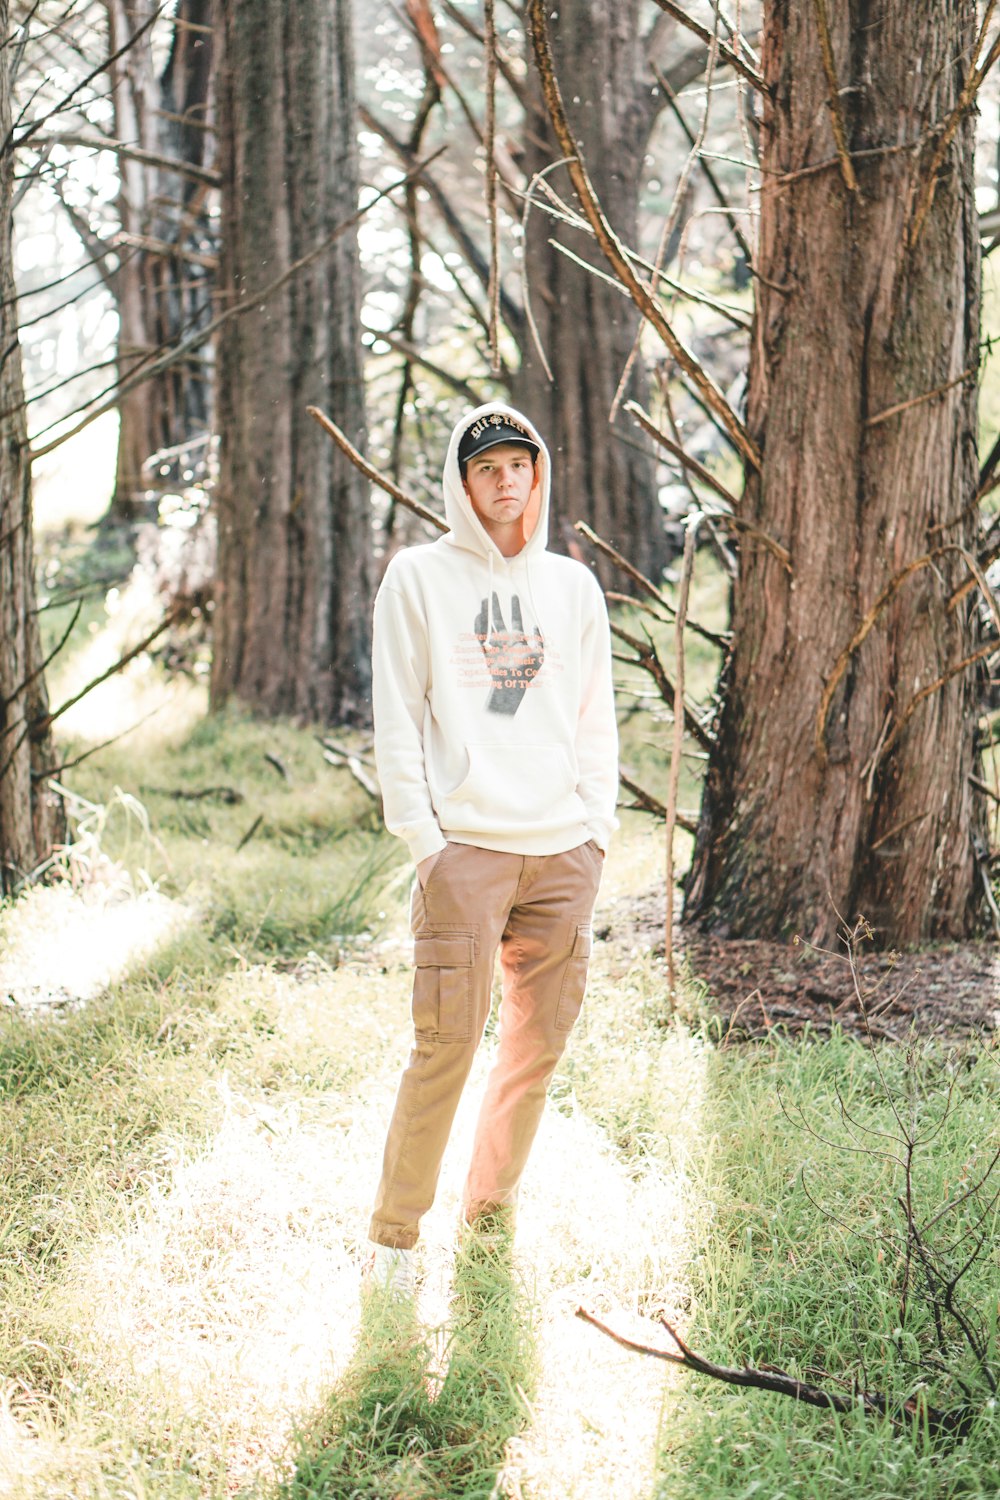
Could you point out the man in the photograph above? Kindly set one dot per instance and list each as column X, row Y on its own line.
column 496, row 746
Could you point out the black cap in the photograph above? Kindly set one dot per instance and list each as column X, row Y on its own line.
column 489, row 430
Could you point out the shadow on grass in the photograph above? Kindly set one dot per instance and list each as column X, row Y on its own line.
column 396, row 1427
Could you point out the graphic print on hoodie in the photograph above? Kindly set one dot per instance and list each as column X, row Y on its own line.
column 513, row 661
column 494, row 710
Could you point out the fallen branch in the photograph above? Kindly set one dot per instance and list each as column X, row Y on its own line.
column 342, row 759
column 227, row 794
column 615, row 252
column 278, row 764
column 955, row 1420
column 258, row 820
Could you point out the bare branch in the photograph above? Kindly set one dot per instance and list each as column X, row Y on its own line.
column 614, row 251
column 250, row 302
column 710, row 176
column 687, row 567
column 41, row 725
column 893, row 411
column 646, row 802
column 955, row 1420
column 836, row 111
column 644, row 583
column 131, row 153
column 726, row 53
column 647, row 657
column 370, row 472
column 966, row 101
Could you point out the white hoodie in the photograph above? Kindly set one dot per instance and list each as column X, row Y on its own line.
column 526, row 763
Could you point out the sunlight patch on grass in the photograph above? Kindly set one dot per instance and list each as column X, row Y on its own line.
column 59, row 946
column 227, row 1296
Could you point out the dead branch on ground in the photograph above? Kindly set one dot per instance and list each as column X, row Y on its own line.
column 954, row 1421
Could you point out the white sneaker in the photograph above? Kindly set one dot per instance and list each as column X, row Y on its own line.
column 391, row 1270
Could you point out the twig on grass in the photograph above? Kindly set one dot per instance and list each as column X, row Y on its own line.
column 335, row 755
column 258, row 820
column 954, row 1421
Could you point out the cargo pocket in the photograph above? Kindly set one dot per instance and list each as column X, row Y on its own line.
column 442, row 986
column 574, row 979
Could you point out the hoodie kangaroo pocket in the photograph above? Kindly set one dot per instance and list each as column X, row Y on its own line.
column 514, row 786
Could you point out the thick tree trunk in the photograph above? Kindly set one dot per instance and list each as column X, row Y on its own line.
column 602, row 474
column 162, row 292
column 293, row 586
column 840, row 782
column 31, row 820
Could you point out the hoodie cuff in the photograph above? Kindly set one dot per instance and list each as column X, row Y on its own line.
column 425, row 841
column 601, row 831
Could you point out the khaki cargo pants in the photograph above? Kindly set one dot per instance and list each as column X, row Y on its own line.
column 537, row 910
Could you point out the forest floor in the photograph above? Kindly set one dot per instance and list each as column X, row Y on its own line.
column 749, row 987
column 202, row 1022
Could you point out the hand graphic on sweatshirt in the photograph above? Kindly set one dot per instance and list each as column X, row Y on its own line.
column 513, row 660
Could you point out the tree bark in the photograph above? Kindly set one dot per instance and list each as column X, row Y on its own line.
column 603, row 474
column 161, row 294
column 31, row 821
column 840, row 780
column 294, row 576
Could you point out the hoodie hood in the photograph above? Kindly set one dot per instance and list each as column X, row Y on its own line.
column 465, row 528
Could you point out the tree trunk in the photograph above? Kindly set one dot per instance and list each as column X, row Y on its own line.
column 293, row 587
column 840, row 781
column 162, row 292
column 30, row 814
column 603, row 474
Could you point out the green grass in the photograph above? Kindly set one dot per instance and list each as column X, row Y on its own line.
column 812, row 1281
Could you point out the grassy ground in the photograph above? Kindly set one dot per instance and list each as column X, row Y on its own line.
column 194, row 1083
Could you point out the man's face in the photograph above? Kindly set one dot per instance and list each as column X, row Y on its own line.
column 499, row 484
